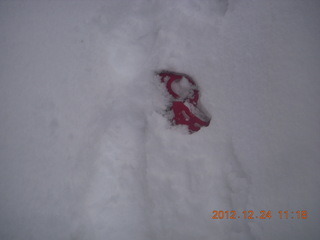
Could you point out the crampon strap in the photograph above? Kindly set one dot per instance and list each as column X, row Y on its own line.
column 184, row 97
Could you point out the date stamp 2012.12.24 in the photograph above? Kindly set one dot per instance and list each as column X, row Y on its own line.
column 263, row 214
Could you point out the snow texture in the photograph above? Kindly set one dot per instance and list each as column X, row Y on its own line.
column 85, row 152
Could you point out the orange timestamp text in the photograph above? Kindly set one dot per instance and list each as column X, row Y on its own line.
column 263, row 214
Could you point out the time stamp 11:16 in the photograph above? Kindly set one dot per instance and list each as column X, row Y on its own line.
column 219, row 214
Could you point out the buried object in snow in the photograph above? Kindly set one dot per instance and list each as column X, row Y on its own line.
column 184, row 97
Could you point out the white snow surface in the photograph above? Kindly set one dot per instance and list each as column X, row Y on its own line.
column 183, row 88
column 85, row 152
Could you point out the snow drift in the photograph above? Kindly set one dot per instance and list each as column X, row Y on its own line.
column 86, row 154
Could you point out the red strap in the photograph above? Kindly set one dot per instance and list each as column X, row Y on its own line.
column 182, row 113
column 177, row 77
column 184, row 116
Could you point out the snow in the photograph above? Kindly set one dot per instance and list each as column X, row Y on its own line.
column 182, row 88
column 85, row 152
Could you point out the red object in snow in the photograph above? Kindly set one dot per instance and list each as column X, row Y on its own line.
column 184, row 101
